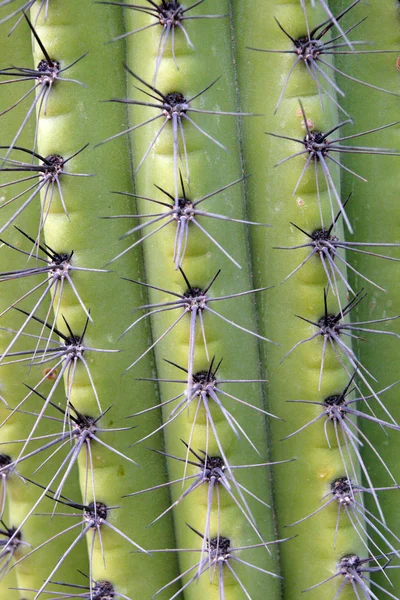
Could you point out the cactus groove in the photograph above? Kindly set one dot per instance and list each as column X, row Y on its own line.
column 199, row 324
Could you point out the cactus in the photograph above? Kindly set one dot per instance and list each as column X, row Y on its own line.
column 199, row 319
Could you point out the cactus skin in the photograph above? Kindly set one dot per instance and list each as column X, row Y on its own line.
column 298, row 376
column 22, row 496
column 381, row 107
column 76, row 116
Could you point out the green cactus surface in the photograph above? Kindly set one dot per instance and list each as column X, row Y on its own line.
column 199, row 313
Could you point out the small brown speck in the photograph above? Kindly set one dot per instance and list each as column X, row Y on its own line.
column 50, row 374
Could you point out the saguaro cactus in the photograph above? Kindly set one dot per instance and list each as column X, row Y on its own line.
column 199, row 332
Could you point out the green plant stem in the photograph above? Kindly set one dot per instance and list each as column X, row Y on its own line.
column 76, row 116
column 31, row 572
column 197, row 69
column 271, row 198
column 136, row 384
column 374, row 209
